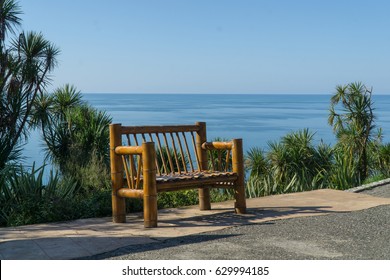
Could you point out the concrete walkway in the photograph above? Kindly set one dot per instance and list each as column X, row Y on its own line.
column 88, row 237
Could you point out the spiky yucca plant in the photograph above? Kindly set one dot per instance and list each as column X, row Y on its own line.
column 354, row 124
column 25, row 64
column 290, row 165
column 76, row 135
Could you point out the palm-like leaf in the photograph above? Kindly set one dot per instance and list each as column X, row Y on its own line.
column 355, row 123
column 256, row 162
column 24, row 72
column 9, row 17
column 42, row 110
column 66, row 97
column 75, row 132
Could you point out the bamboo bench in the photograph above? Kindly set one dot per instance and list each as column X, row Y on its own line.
column 170, row 158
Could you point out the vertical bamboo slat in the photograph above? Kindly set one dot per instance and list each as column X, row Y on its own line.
column 238, row 167
column 196, row 151
column 227, row 161
column 188, row 152
column 150, row 188
column 132, row 170
column 135, row 139
column 168, row 154
column 132, row 164
column 128, row 140
column 175, row 153
column 118, row 203
column 183, row 156
column 204, row 193
column 157, row 164
column 161, row 154
column 125, row 165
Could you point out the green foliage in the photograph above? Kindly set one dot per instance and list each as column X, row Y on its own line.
column 260, row 185
column 344, row 173
column 380, row 164
column 91, row 176
column 65, row 99
column 76, row 136
column 25, row 64
column 256, row 161
column 291, row 165
column 354, row 124
column 374, row 178
column 26, row 198
column 9, row 17
column 177, row 198
column 189, row 197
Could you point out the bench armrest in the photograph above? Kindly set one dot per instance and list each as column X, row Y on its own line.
column 217, row 145
column 129, row 150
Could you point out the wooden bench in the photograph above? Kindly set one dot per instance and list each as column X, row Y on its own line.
column 170, row 158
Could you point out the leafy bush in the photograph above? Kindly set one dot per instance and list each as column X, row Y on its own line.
column 177, row 198
column 382, row 161
column 291, row 165
column 76, row 137
column 344, row 173
column 190, row 197
column 26, row 62
column 354, row 125
column 25, row 197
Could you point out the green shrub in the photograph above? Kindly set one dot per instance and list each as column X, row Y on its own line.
column 383, row 160
column 190, row 197
column 352, row 116
column 293, row 164
column 26, row 198
column 177, row 198
column 76, row 137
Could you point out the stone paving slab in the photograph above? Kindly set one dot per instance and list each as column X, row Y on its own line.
column 87, row 237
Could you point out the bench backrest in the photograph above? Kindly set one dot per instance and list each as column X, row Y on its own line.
column 178, row 150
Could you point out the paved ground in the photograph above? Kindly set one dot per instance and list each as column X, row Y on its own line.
column 322, row 224
column 363, row 234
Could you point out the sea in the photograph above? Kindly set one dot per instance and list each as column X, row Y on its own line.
column 256, row 118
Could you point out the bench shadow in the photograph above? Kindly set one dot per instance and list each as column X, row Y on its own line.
column 226, row 217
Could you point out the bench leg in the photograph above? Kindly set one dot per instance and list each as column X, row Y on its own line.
column 118, row 209
column 240, row 204
column 150, row 211
column 118, row 203
column 238, row 167
column 150, row 186
column 204, row 199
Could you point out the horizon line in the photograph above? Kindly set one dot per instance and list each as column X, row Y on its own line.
column 218, row 93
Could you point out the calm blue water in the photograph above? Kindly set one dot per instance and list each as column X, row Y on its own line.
column 257, row 119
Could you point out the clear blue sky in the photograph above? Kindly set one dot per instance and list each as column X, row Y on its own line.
column 215, row 46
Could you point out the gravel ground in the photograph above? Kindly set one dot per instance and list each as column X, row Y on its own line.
column 382, row 191
column 354, row 235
